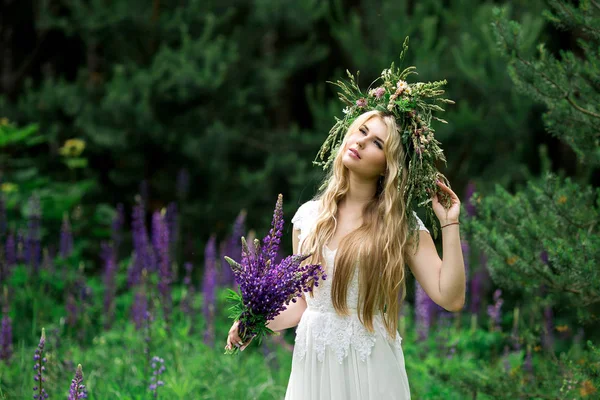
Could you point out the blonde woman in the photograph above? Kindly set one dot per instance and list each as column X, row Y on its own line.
column 347, row 345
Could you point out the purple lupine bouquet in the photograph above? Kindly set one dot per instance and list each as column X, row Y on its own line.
column 267, row 288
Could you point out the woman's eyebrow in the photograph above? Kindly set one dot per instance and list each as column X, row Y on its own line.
column 378, row 138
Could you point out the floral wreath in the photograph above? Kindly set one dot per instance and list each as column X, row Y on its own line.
column 412, row 105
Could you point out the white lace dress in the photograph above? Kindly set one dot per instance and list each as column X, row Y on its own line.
column 336, row 357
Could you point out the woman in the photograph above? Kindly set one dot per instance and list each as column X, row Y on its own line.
column 347, row 345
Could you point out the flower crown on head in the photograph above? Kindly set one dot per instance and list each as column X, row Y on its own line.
column 412, row 105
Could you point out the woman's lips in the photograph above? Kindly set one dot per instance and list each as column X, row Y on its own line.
column 354, row 153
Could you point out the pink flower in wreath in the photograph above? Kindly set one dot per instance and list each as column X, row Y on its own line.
column 361, row 103
column 379, row 92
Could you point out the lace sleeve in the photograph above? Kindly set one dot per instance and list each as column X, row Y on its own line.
column 420, row 223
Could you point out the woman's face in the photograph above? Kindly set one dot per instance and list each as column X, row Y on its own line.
column 363, row 152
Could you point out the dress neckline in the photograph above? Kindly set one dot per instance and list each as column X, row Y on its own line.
column 328, row 249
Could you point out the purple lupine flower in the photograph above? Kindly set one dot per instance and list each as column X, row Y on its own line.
column 172, row 221
column 158, row 367
column 233, row 248
column 466, row 251
column 209, row 282
column 117, row 228
column 469, row 206
column 476, row 291
column 66, row 238
column 423, row 311
column 494, row 310
column 21, row 246
column 5, row 332
column 267, row 288
column 160, row 241
column 271, row 242
column 110, row 269
column 2, row 216
column 183, row 183
column 77, row 390
column 39, row 368
column 528, row 364
column 144, row 257
column 548, row 335
column 186, row 303
column 10, row 251
column 33, row 249
column 139, row 309
column 544, row 257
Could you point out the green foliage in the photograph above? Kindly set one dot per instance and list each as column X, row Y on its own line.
column 553, row 215
column 568, row 86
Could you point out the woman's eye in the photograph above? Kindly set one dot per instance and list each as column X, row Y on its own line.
column 379, row 145
column 363, row 131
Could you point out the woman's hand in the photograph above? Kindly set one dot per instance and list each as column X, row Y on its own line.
column 450, row 214
column 233, row 339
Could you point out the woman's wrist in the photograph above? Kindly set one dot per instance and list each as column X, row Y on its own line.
column 444, row 224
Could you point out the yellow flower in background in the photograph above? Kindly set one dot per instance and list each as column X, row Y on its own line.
column 72, row 148
column 8, row 187
column 587, row 388
column 562, row 199
column 512, row 260
column 3, row 121
column 562, row 328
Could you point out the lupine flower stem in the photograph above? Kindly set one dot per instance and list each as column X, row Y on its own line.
column 158, row 367
column 77, row 390
column 38, row 367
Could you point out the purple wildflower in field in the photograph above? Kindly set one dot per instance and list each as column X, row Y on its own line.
column 33, row 249
column 466, row 250
column 267, row 288
column 6, row 334
column 77, row 390
column 183, row 183
column 548, row 334
column 528, row 364
column 209, row 283
column 172, row 221
column 494, row 310
column 117, row 228
column 66, row 238
column 160, row 241
column 423, row 311
column 139, row 308
column 544, row 257
column 158, row 367
column 469, row 206
column 2, row 216
column 143, row 257
column 10, row 253
column 233, row 249
column 39, row 368
column 110, row 271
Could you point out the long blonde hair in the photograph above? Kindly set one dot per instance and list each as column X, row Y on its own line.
column 378, row 245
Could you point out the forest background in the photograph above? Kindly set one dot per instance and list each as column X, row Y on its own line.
column 126, row 122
